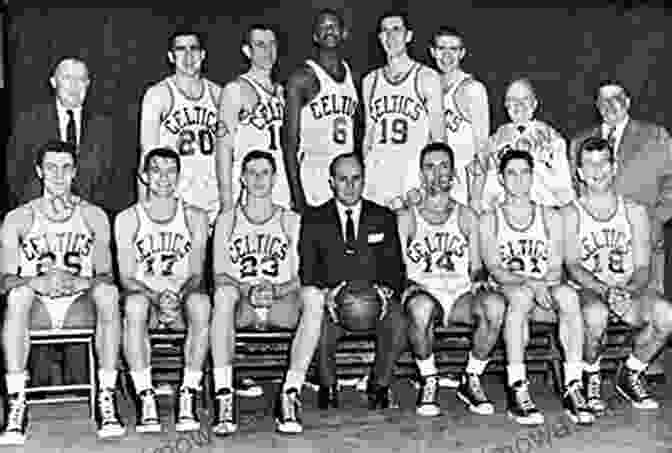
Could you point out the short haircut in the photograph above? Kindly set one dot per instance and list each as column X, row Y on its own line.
column 69, row 58
column 166, row 153
column 258, row 154
column 185, row 32
column 446, row 31
column 55, row 146
column 437, row 147
column 594, row 144
column 336, row 160
column 247, row 37
column 611, row 82
column 395, row 13
column 526, row 82
column 328, row 12
column 510, row 154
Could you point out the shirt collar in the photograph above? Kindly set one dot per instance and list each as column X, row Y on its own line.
column 620, row 127
column 356, row 209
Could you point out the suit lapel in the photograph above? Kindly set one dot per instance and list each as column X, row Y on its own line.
column 628, row 147
column 86, row 122
column 52, row 118
column 361, row 228
column 336, row 220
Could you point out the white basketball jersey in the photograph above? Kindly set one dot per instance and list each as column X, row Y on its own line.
column 606, row 246
column 162, row 250
column 190, row 128
column 259, row 129
column 460, row 137
column 400, row 130
column 524, row 251
column 327, row 122
column 66, row 245
column 259, row 251
column 437, row 256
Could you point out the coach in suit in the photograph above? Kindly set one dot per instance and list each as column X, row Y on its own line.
column 644, row 158
column 101, row 179
column 350, row 238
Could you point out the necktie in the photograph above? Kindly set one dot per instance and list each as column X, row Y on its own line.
column 611, row 137
column 349, row 227
column 71, row 128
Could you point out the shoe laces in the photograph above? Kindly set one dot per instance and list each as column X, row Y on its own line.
column 475, row 387
column 523, row 398
column 106, row 402
column 575, row 394
column 186, row 403
column 225, row 401
column 429, row 389
column 638, row 384
column 291, row 405
column 594, row 384
column 149, row 409
column 17, row 410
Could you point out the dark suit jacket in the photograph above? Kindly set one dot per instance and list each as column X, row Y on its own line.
column 102, row 178
column 645, row 165
column 323, row 261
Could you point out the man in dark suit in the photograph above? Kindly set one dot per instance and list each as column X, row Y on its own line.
column 350, row 238
column 643, row 154
column 100, row 179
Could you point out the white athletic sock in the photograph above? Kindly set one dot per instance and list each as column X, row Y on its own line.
column 142, row 379
column 16, row 382
column 635, row 364
column 427, row 366
column 592, row 367
column 223, row 377
column 573, row 371
column 107, row 379
column 516, row 372
column 476, row 366
column 192, row 379
column 294, row 379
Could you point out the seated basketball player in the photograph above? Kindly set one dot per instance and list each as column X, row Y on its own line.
column 608, row 255
column 57, row 273
column 523, row 250
column 350, row 238
column 161, row 251
column 257, row 286
column 443, row 264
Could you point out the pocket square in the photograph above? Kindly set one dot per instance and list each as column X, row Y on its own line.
column 375, row 238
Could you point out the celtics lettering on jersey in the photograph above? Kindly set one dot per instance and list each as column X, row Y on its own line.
column 405, row 109
column 524, row 251
column 65, row 250
column 337, row 108
column 265, row 116
column 437, row 251
column 258, row 255
column 194, row 128
column 159, row 251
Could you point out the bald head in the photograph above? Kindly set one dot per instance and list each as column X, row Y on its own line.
column 70, row 82
column 520, row 100
column 613, row 103
column 521, row 88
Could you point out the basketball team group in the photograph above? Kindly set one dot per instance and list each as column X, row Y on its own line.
column 322, row 208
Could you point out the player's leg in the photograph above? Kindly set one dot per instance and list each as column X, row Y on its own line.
column 227, row 313
column 137, row 351
column 22, row 304
column 197, row 310
column 391, row 340
column 520, row 302
column 423, row 312
column 651, row 315
column 303, row 311
column 330, row 334
column 485, row 310
column 570, row 328
column 595, row 320
column 101, row 302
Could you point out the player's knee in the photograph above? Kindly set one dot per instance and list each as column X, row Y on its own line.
column 493, row 307
column 199, row 308
column 419, row 309
column 20, row 299
column 226, row 297
column 312, row 300
column 662, row 315
column 567, row 299
column 136, row 308
column 595, row 315
column 106, row 298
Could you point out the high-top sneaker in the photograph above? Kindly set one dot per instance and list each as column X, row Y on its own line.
column 575, row 404
column 224, row 422
column 288, row 412
column 16, row 420
column 427, row 404
column 521, row 407
column 107, row 415
column 186, row 412
column 632, row 386
column 592, row 383
column 148, row 413
column 472, row 394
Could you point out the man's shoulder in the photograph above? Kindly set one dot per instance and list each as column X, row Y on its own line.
column 20, row 217
column 374, row 209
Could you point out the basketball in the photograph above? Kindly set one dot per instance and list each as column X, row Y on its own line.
column 358, row 306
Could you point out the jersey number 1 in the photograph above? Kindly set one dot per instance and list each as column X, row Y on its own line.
column 394, row 131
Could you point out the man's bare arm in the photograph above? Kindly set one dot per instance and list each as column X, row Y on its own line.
column 221, row 254
column 369, row 125
column 230, row 104
column 473, row 101
column 469, row 224
column 490, row 247
column 198, row 225
column 97, row 219
column 641, row 247
column 430, row 89
column 292, row 225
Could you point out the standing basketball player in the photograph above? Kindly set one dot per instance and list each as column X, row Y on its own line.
column 57, row 273
column 161, row 250
column 250, row 116
column 443, row 263
column 257, row 285
column 322, row 105
column 180, row 112
column 523, row 250
column 403, row 113
column 608, row 255
column 465, row 108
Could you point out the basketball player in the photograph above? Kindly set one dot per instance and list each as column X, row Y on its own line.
column 523, row 250
column 443, row 264
column 57, row 273
column 403, row 113
column 552, row 184
column 608, row 255
column 250, row 115
column 257, row 286
column 320, row 115
column 180, row 112
column 465, row 108
column 161, row 250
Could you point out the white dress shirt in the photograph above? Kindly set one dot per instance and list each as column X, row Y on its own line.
column 356, row 211
column 63, row 119
column 618, row 132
